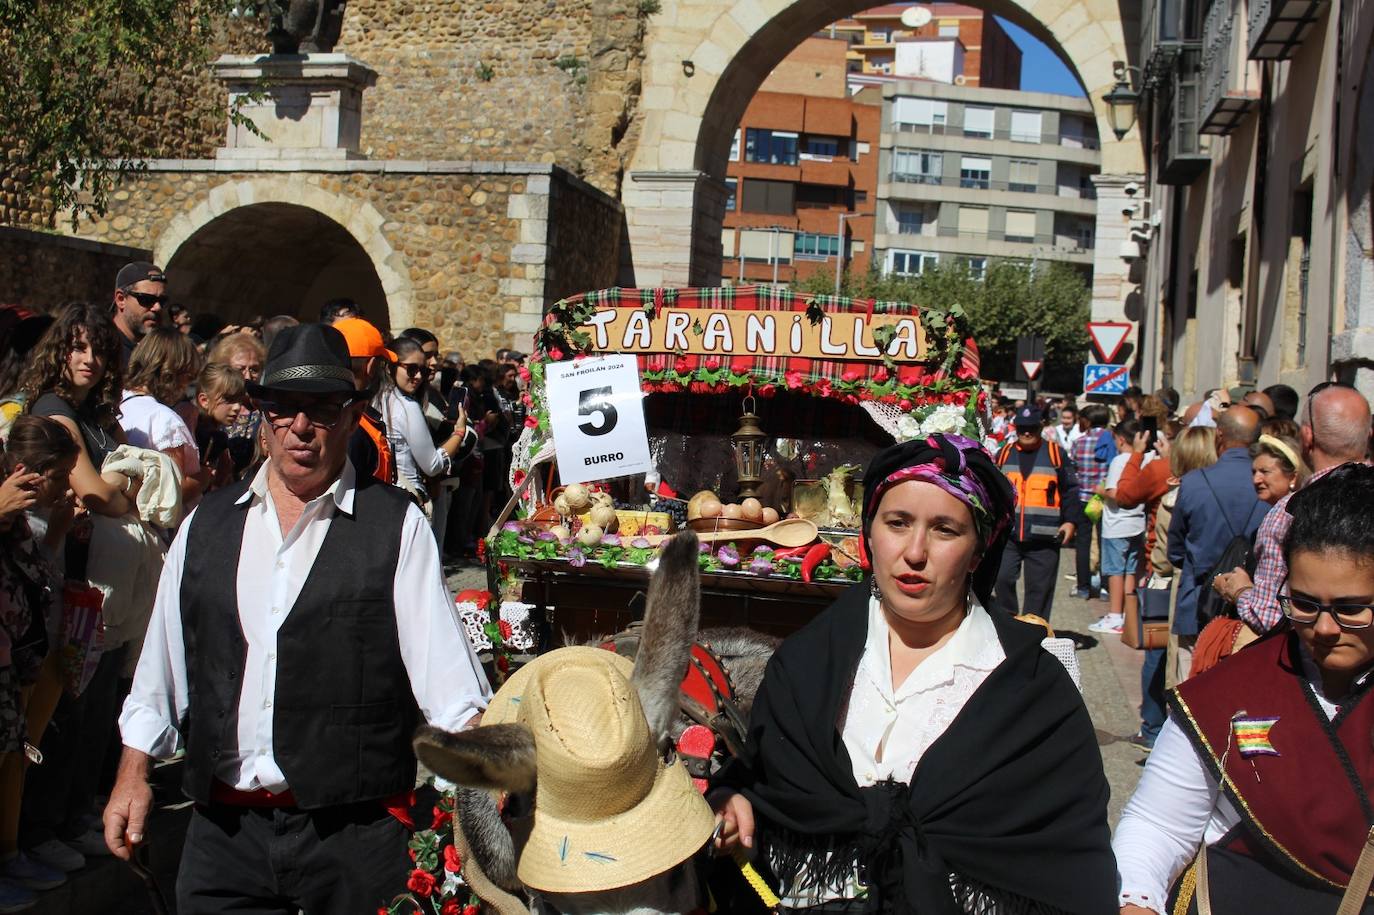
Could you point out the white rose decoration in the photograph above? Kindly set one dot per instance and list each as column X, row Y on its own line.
column 944, row 420
column 907, row 428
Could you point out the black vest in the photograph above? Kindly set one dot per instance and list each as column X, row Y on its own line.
column 343, row 714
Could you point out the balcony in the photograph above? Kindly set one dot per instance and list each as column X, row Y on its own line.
column 1016, row 187
column 1224, row 105
column 1183, row 157
column 1278, row 27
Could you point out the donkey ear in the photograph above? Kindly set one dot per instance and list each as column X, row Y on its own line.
column 499, row 757
column 670, row 628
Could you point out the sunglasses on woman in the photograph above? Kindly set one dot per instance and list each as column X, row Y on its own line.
column 414, row 371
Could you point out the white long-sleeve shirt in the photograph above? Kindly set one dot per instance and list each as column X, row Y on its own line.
column 406, row 429
column 445, row 676
column 1176, row 808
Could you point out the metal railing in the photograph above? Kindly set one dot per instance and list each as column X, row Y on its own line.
column 987, row 184
column 1063, row 140
column 1217, row 32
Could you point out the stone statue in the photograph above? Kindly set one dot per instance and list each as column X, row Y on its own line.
column 305, row 26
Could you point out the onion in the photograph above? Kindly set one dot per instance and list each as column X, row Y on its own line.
column 604, row 517
column 560, row 505
column 590, row 535
column 579, row 499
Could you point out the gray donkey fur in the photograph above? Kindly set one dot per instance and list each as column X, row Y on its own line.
column 504, row 762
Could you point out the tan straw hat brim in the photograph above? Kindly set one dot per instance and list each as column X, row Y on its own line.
column 671, row 822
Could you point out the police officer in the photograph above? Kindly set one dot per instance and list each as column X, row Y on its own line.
column 1047, row 510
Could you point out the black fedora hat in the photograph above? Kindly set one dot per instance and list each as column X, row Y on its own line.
column 307, row 359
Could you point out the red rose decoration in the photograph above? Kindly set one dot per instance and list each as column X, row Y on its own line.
column 452, row 863
column 904, row 404
column 504, row 627
column 442, row 818
column 481, row 550
column 823, row 387
column 531, row 422
column 741, row 366
column 470, row 910
column 793, row 379
column 555, row 353
column 881, row 375
column 451, row 907
column 421, row 882
column 503, row 664
column 768, row 390
column 381, row 910
column 518, row 477
column 713, row 363
column 524, row 373
column 851, row 375
column 681, row 365
column 909, row 375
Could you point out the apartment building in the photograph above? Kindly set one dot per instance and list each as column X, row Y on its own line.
column 802, row 174
column 977, row 174
column 881, row 43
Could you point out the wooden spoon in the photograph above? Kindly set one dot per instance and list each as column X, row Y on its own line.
column 789, row 532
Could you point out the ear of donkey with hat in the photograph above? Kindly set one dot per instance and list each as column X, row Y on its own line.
column 609, row 811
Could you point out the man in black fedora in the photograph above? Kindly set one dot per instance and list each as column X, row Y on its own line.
column 301, row 631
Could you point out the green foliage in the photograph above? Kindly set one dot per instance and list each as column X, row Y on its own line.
column 1051, row 301
column 650, row 7
column 485, row 72
column 79, row 78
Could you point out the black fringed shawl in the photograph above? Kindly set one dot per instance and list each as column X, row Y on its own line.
column 1011, row 801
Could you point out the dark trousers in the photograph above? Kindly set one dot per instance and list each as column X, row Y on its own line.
column 59, row 795
column 1152, row 708
column 344, row 860
column 1041, row 561
column 1083, row 554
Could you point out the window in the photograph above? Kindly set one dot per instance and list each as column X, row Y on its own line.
column 1023, row 175
column 977, row 267
column 774, row 197
column 731, row 193
column 973, row 222
column 820, row 196
column 910, row 221
column 765, row 245
column 822, row 146
column 809, row 244
column 772, row 147
column 1025, row 126
column 860, row 197
column 1021, row 226
column 918, row 166
column 1084, row 236
column 978, row 122
column 975, row 172
column 910, row 263
column 920, row 114
column 734, row 147
column 949, row 30
column 727, row 242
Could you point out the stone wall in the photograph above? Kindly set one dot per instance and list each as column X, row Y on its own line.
column 500, row 80
column 461, row 248
column 40, row 271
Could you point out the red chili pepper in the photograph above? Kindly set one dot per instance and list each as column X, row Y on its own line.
column 792, row 552
column 814, row 557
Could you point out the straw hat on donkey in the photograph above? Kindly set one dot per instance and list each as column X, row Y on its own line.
column 600, row 819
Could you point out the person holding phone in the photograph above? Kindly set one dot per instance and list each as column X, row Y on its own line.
column 1047, row 512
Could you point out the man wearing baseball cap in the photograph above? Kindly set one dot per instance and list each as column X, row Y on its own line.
column 368, row 449
column 140, row 296
column 1047, row 509
column 302, row 630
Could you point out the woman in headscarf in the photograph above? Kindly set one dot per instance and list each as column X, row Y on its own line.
column 911, row 752
column 1257, row 795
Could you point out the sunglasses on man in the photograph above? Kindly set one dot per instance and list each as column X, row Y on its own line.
column 146, row 299
column 323, row 413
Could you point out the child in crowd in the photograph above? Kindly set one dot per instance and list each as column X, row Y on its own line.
column 1123, row 534
column 221, row 397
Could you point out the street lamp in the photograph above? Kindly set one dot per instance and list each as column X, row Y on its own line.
column 839, row 250
column 1122, row 101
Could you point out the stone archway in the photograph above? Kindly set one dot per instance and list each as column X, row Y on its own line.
column 706, row 58
column 229, row 254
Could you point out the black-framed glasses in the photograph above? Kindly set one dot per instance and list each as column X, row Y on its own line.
column 413, row 370
column 1350, row 617
column 324, row 413
column 146, row 299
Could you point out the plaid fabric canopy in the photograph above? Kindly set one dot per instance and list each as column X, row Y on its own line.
column 789, row 371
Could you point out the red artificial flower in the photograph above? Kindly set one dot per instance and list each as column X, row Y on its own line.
column 671, row 387
column 793, row 378
column 965, row 372
column 555, row 353
column 526, row 398
column 421, row 882
column 881, row 375
column 741, row 366
column 504, row 627
column 441, row 819
column 768, row 390
column 518, row 477
column 531, row 422
column 503, row 664
column 524, row 373
column 822, row 387
column 851, row 399
column 381, row 910
column 888, row 398
column 452, row 863
column 961, row 398
column 909, row 375
column 713, row 363
column 481, row 550
column 904, row 404
column 699, row 387
column 681, row 365
column 450, row 907
column 579, row 357
column 851, row 375
column 470, row 910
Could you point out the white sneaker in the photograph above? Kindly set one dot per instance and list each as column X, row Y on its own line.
column 91, row 844
column 1112, row 622
column 56, row 853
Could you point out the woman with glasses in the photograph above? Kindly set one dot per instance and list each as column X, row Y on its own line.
column 417, row 456
column 1257, row 795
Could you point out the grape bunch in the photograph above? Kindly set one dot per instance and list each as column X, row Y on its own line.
column 673, row 508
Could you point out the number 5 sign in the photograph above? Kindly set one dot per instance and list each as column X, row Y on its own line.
column 597, row 414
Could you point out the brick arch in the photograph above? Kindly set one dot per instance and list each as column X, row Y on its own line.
column 359, row 220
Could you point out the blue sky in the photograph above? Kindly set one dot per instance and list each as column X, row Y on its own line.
column 1041, row 68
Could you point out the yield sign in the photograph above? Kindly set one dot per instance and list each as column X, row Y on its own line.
column 1107, row 337
column 1032, row 367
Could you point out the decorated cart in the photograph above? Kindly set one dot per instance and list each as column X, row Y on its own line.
column 760, row 408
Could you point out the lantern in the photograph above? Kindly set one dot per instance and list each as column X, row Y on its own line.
column 1122, row 101
column 748, row 444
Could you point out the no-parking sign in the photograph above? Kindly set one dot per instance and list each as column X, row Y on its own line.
column 596, row 412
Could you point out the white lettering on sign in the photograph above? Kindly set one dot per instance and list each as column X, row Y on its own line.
column 600, row 321
column 596, row 413
column 717, row 335
column 638, row 333
column 829, row 347
column 675, row 334
column 760, row 333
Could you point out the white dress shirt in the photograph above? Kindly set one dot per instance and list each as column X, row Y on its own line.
column 1177, row 807
column 445, row 676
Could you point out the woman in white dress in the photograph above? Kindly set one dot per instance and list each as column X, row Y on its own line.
column 162, row 366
